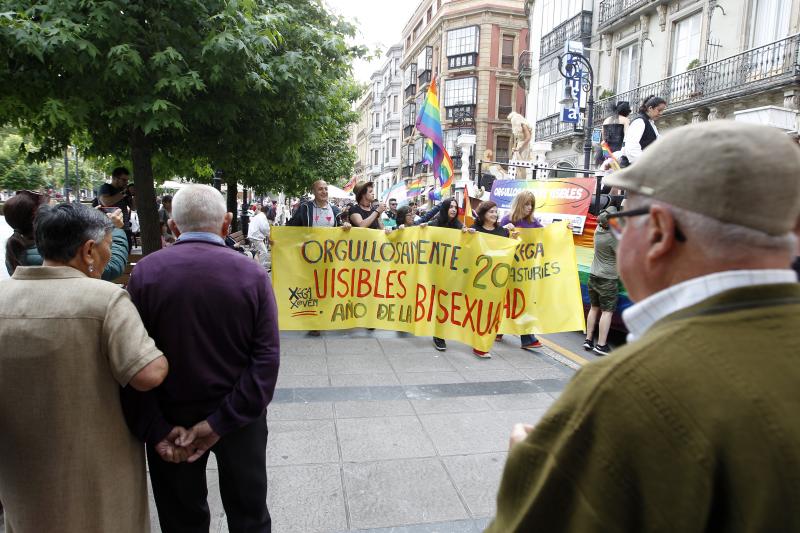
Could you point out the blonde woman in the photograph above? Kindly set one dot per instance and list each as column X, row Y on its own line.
column 522, row 208
column 521, row 216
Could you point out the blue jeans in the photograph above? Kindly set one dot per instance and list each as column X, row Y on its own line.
column 527, row 339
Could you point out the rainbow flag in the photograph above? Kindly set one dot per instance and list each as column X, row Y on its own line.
column 350, row 185
column 435, row 194
column 415, row 188
column 429, row 124
column 608, row 154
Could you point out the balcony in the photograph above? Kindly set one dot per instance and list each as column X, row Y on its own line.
column 760, row 69
column 551, row 128
column 407, row 171
column 423, row 79
column 612, row 10
column 410, row 91
column 525, row 70
column 578, row 28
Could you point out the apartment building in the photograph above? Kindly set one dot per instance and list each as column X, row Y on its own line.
column 359, row 136
column 709, row 59
column 473, row 48
column 384, row 129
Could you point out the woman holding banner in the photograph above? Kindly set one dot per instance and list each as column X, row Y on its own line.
column 522, row 216
column 448, row 218
column 521, row 213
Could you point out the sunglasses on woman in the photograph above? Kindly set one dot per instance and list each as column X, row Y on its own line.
column 616, row 222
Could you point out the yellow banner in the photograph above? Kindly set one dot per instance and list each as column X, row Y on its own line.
column 427, row 281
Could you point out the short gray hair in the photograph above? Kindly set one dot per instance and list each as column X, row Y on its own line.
column 198, row 208
column 62, row 229
column 723, row 240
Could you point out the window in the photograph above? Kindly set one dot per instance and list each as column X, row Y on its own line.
column 628, row 69
column 686, row 43
column 554, row 12
column 394, row 148
column 418, row 150
column 410, row 75
column 394, row 107
column 409, row 115
column 770, row 21
column 460, row 96
column 374, row 158
column 462, row 47
column 386, row 152
column 504, row 108
column 460, row 91
column 417, row 31
column 551, row 88
column 501, row 148
column 507, row 58
column 429, row 15
column 425, row 65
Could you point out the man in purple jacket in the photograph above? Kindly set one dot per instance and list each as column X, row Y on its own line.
column 212, row 312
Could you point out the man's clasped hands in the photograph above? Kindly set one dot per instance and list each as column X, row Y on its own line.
column 189, row 445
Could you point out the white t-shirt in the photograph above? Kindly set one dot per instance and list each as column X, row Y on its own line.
column 259, row 228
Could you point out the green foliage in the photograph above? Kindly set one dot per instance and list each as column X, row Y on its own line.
column 254, row 87
column 16, row 173
column 607, row 93
column 694, row 63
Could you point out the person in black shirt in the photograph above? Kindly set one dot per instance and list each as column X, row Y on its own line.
column 119, row 194
column 488, row 221
column 362, row 213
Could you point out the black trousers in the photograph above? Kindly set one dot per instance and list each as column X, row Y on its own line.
column 180, row 490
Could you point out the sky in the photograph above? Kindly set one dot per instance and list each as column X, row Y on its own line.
column 380, row 25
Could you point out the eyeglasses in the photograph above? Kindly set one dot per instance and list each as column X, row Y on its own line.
column 616, row 222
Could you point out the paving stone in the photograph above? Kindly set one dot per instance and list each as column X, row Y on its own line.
column 425, row 378
column 552, row 385
column 356, row 380
column 289, row 381
column 468, row 361
column 303, row 365
column 305, row 346
column 467, row 433
column 480, row 376
column 353, row 346
column 453, row 526
column 375, row 439
column 302, row 442
column 372, row 409
column 477, row 478
column 300, row 411
column 397, row 493
column 306, row 499
column 466, row 404
column 421, row 362
column 214, row 499
column 545, row 371
column 505, row 402
column 407, row 345
column 358, row 364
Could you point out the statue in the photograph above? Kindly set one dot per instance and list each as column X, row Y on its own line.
column 521, row 129
column 522, row 137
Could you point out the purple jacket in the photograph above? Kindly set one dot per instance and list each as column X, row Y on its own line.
column 212, row 312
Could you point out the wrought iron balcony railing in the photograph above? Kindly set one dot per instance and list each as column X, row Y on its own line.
column 766, row 67
column 611, row 10
column 551, row 128
column 578, row 28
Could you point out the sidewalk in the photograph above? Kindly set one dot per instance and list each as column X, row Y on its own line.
column 377, row 431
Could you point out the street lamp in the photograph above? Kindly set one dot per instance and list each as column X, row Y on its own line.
column 571, row 72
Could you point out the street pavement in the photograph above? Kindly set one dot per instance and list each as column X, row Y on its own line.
column 376, row 431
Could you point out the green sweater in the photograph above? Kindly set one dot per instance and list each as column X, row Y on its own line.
column 693, row 428
column 114, row 268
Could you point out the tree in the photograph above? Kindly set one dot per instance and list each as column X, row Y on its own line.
column 16, row 172
column 238, row 84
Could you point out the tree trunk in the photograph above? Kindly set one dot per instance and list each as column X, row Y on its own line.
column 142, row 159
column 232, row 204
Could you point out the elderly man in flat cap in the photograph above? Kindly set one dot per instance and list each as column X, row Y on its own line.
column 693, row 425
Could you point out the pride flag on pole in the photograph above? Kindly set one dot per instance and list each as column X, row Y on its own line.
column 415, row 187
column 429, row 124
